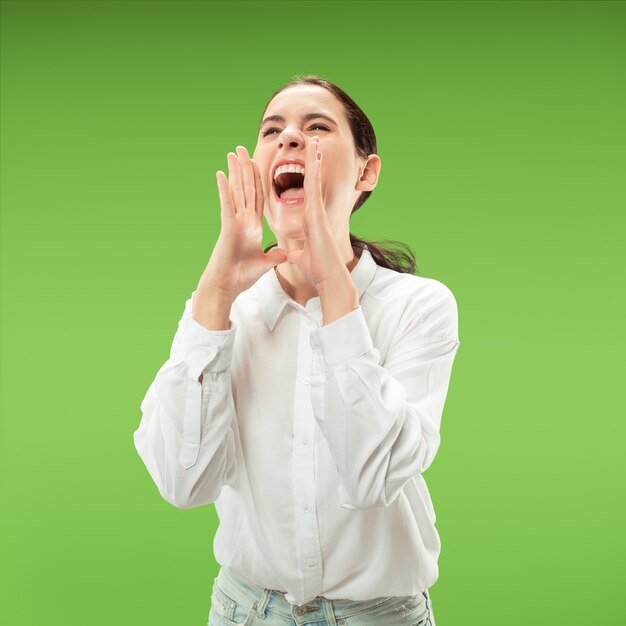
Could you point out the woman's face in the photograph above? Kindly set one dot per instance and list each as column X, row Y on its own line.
column 307, row 111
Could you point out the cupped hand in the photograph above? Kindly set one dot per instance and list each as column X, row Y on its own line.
column 238, row 260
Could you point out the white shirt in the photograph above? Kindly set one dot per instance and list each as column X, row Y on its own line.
column 311, row 440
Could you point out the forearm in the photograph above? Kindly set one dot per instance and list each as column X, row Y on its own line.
column 187, row 475
column 186, row 437
column 381, row 421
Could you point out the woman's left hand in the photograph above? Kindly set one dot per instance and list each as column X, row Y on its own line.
column 320, row 260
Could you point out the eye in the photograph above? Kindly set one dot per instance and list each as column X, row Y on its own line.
column 269, row 131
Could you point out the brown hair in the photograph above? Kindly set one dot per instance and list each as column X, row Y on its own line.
column 365, row 143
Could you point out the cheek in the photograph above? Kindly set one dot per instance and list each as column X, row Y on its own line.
column 335, row 173
column 260, row 159
column 263, row 167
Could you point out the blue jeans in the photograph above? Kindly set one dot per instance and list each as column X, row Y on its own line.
column 236, row 602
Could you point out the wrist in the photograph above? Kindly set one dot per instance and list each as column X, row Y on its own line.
column 211, row 310
column 208, row 290
column 333, row 285
column 338, row 298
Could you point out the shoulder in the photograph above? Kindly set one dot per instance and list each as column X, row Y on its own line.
column 423, row 305
column 415, row 292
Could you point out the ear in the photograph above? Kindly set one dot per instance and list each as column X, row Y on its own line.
column 369, row 172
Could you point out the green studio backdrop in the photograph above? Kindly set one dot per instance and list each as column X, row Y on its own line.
column 500, row 128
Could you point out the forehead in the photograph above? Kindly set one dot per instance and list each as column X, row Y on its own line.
column 301, row 99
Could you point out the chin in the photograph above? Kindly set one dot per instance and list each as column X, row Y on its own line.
column 284, row 234
column 285, row 218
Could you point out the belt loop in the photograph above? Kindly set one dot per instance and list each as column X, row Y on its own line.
column 329, row 613
column 261, row 604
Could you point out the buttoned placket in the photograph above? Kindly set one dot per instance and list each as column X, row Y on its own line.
column 309, row 552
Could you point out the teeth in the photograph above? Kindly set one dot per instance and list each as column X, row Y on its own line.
column 290, row 167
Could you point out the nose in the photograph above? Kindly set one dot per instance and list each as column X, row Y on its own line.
column 290, row 139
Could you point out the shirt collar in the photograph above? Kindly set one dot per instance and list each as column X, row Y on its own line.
column 273, row 298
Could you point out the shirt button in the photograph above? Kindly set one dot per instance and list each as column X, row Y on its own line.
column 305, row 507
column 305, row 442
column 311, row 563
column 305, row 381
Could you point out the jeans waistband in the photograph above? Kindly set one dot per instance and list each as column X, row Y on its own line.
column 245, row 592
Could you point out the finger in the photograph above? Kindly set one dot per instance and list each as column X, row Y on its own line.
column 312, row 178
column 258, row 183
column 226, row 202
column 308, row 173
column 318, row 179
column 276, row 256
column 247, row 177
column 234, row 180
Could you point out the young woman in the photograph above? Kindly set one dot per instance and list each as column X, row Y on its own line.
column 305, row 386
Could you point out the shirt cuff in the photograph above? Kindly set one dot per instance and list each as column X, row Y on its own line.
column 341, row 340
column 202, row 348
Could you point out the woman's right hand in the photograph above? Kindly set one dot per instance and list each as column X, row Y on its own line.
column 238, row 260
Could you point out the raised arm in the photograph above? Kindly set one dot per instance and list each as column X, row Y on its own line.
column 382, row 422
column 186, row 436
column 188, row 428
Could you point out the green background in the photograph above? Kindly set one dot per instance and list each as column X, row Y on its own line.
column 501, row 131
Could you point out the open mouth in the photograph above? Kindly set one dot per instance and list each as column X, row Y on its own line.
column 289, row 186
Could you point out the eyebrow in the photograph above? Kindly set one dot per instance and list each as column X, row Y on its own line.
column 303, row 118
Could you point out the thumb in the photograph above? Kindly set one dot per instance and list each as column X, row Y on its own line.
column 294, row 256
column 276, row 256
